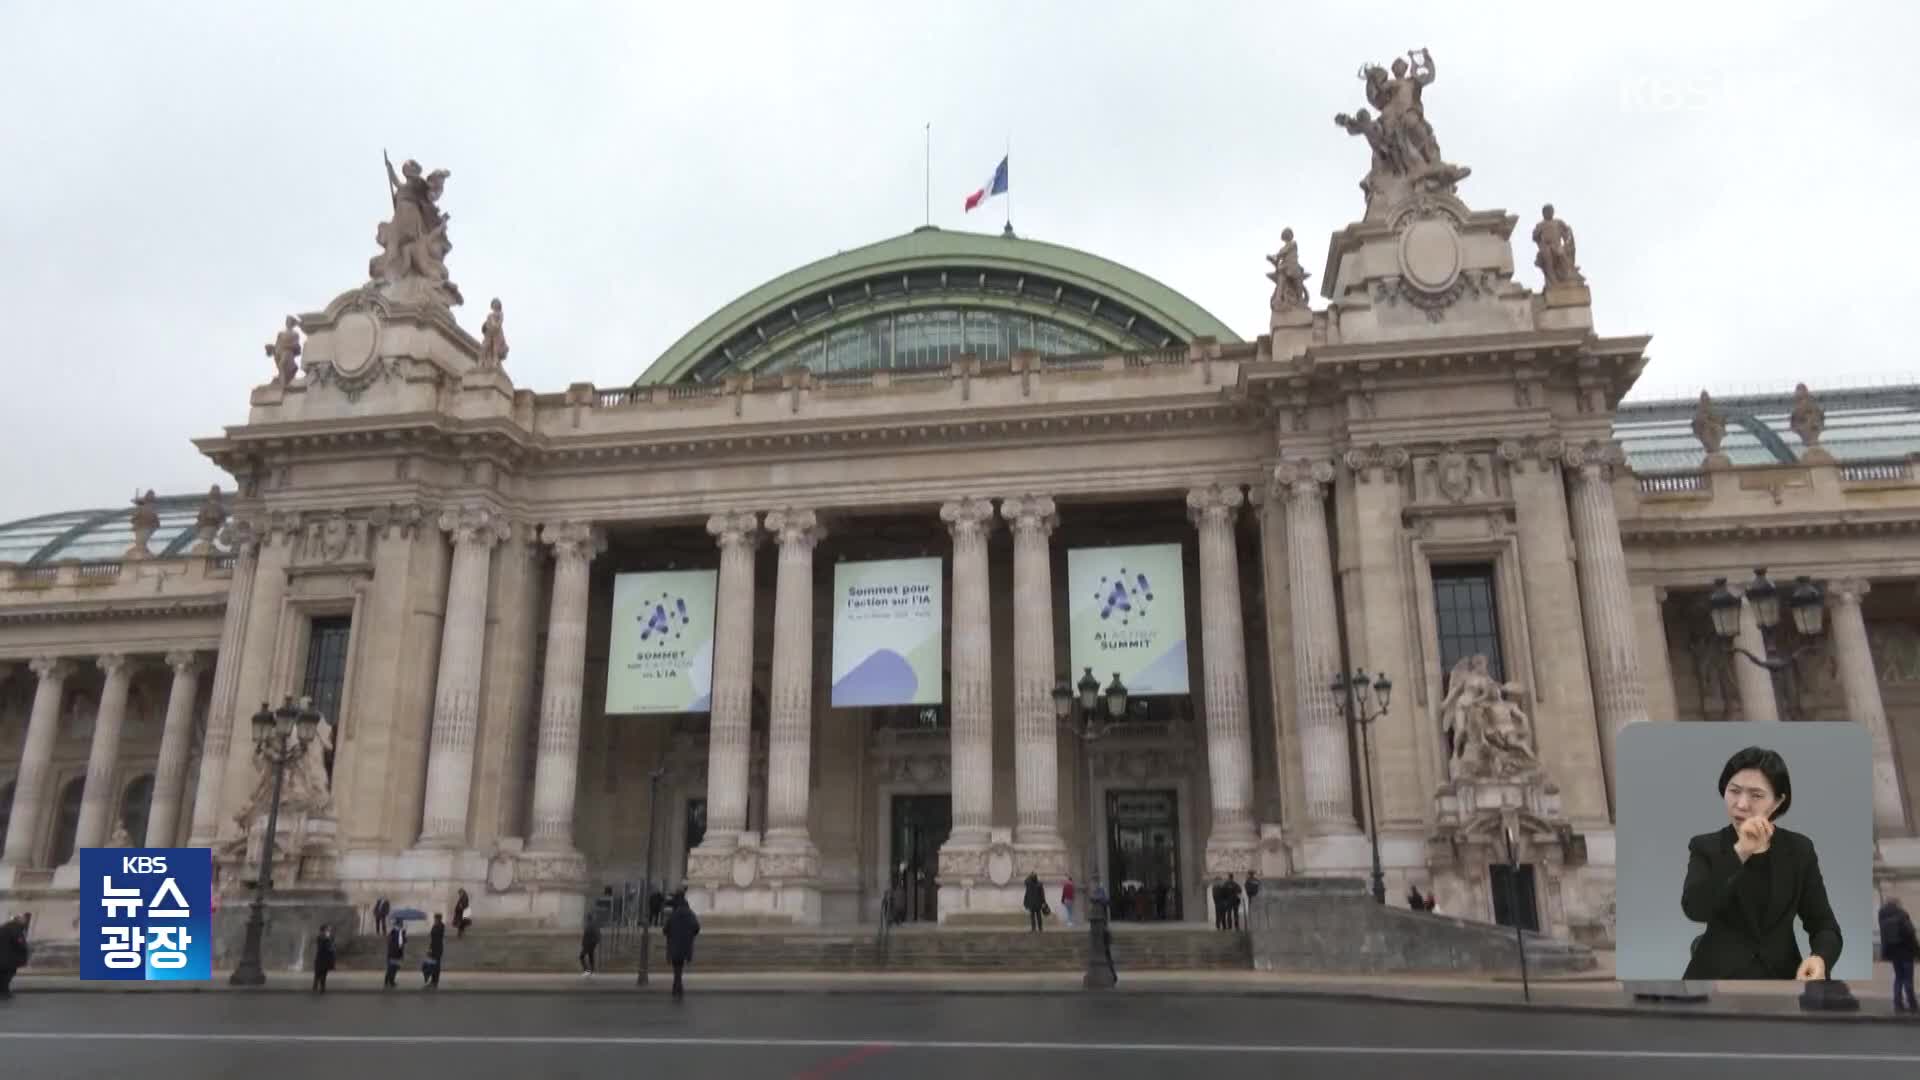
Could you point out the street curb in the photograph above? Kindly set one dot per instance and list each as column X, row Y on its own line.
column 1671, row 1011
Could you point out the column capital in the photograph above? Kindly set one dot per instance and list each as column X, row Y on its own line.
column 1848, row 590
column 1214, row 504
column 1030, row 513
column 1593, row 460
column 1302, row 478
column 183, row 661
column 1363, row 460
column 114, row 663
column 478, row 525
column 573, row 539
column 795, row 527
column 969, row 515
column 51, row 668
column 735, row 528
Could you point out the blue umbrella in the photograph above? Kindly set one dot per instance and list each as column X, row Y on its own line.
column 403, row 914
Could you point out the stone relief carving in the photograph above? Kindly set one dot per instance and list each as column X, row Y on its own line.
column 1808, row 419
column 1139, row 764
column 1288, row 277
column 284, row 350
column 1553, row 238
column 1456, row 475
column 411, row 267
column 1489, row 736
column 1708, row 425
column 333, row 537
column 493, row 338
column 1406, row 156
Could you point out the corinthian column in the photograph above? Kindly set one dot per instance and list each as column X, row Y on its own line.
column 164, row 813
column 1606, row 600
column 29, row 787
column 556, row 769
column 239, row 536
column 456, row 696
column 790, row 728
column 97, row 797
column 970, row 520
column 729, row 737
column 1862, row 688
column 1036, row 761
column 1325, row 758
column 1223, row 653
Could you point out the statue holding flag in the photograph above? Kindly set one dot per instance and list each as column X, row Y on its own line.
column 411, row 266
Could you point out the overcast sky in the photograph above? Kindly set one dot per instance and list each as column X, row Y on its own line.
column 181, row 176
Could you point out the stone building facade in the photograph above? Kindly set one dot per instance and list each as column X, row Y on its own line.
column 1433, row 465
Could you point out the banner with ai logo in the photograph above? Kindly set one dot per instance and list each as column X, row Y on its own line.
column 1127, row 611
column 146, row 914
column 886, row 633
column 660, row 656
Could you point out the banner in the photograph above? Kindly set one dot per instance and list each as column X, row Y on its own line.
column 660, row 656
column 886, row 633
column 146, row 914
column 1127, row 611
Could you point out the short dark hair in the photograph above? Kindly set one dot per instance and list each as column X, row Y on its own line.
column 1771, row 765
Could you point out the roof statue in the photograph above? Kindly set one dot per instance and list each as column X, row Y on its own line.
column 412, row 264
column 285, row 349
column 1406, row 155
column 1808, row 419
column 144, row 519
column 1708, row 425
column 206, row 524
column 1555, row 258
column 1289, row 279
column 493, row 339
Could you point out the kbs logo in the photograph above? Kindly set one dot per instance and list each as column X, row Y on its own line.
column 147, row 914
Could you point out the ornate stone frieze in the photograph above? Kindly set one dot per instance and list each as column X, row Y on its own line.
column 1140, row 763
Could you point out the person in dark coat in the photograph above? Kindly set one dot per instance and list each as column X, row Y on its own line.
column 396, row 951
column 589, row 945
column 1233, row 903
column 436, row 951
column 1219, row 893
column 1415, row 901
column 14, row 952
column 1899, row 946
column 1035, row 901
column 682, row 927
column 460, row 921
column 380, row 909
column 322, row 958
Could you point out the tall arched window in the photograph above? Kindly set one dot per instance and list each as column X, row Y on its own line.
column 134, row 807
column 66, row 824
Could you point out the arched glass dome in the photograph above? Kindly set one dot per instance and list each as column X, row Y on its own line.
column 98, row 535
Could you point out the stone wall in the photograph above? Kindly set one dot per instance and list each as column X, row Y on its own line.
column 1332, row 925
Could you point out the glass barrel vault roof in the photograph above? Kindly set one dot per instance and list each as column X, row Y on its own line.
column 1863, row 424
column 97, row 535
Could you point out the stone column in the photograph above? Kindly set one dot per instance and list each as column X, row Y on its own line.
column 729, row 739
column 214, row 747
column 1325, row 754
column 29, row 787
column 1036, row 762
column 1606, row 602
column 176, row 735
column 1862, row 688
column 97, row 797
column 970, row 520
column 1223, row 654
column 790, row 726
column 556, row 768
column 1755, row 682
column 456, row 696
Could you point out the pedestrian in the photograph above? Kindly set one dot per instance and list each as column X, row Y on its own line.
column 1219, row 894
column 396, row 952
column 682, row 927
column 1433, row 904
column 1253, row 890
column 589, row 945
column 322, row 958
column 1066, row 900
column 380, row 909
column 1234, row 894
column 14, row 952
column 656, row 904
column 1035, row 902
column 436, row 951
column 1899, row 946
column 460, row 920
column 1415, row 901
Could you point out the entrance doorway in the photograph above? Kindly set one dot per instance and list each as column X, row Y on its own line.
column 920, row 826
column 1143, row 854
column 1505, row 884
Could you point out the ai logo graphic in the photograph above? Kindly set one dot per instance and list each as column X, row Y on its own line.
column 146, row 914
column 668, row 615
column 1130, row 601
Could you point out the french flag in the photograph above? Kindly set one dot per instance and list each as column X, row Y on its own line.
column 995, row 186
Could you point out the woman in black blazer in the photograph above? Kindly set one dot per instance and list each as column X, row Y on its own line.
column 1747, row 881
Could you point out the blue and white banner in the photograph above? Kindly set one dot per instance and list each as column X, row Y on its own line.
column 146, row 914
column 886, row 633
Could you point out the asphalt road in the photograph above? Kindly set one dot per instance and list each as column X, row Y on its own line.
column 923, row 1037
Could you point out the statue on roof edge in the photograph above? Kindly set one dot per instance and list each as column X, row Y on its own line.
column 1406, row 154
column 412, row 264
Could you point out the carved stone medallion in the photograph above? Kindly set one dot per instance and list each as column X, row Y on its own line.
column 1430, row 254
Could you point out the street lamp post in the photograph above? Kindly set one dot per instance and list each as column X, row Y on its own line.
column 646, row 888
column 1513, row 905
column 1091, row 727
column 1363, row 702
column 1807, row 605
column 280, row 738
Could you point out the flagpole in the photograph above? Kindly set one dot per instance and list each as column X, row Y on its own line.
column 929, row 172
column 1009, row 161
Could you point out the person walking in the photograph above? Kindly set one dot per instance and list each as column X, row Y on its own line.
column 1219, row 894
column 380, row 909
column 436, row 951
column 1899, row 946
column 682, row 927
column 396, row 952
column 1035, row 902
column 1233, row 903
column 1066, row 900
column 14, row 952
column 322, row 958
column 589, row 945
column 460, row 921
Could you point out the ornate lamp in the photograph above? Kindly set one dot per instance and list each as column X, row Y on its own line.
column 1725, row 609
column 1765, row 598
column 1808, row 606
column 1089, row 691
column 1116, row 697
column 1062, row 700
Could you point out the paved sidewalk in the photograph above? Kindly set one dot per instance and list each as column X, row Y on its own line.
column 1583, row 994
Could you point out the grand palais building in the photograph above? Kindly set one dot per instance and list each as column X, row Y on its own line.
column 791, row 615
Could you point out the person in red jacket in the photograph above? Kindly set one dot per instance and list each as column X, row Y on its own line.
column 1066, row 900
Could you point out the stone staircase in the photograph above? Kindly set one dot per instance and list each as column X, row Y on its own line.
column 1135, row 948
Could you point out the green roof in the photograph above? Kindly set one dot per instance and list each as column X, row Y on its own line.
column 1122, row 307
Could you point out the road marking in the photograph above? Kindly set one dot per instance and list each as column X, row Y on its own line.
column 1741, row 1054
column 843, row 1062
